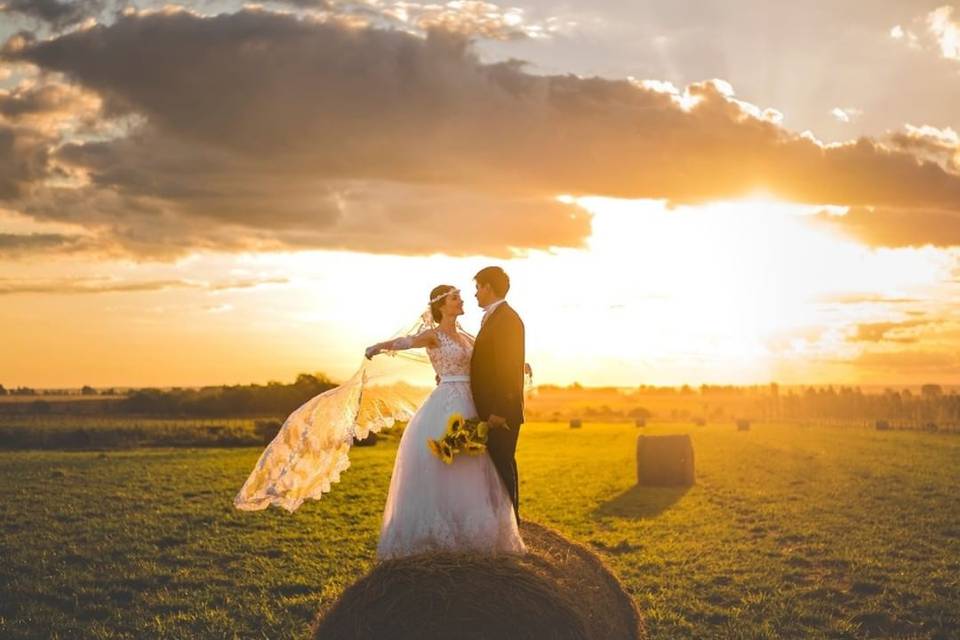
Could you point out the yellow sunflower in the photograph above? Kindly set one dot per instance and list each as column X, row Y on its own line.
column 434, row 447
column 446, row 452
column 454, row 423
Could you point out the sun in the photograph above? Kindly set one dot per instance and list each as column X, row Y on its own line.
column 718, row 291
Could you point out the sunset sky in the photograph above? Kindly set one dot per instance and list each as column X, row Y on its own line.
column 736, row 191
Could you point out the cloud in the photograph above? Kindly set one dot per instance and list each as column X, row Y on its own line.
column 14, row 245
column 49, row 106
column 24, row 158
column 471, row 18
column 901, row 332
column 108, row 285
column 58, row 14
column 930, row 143
column 266, row 130
column 861, row 299
column 846, row 115
column 897, row 227
column 946, row 30
column 937, row 30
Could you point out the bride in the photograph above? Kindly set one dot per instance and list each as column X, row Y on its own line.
column 431, row 506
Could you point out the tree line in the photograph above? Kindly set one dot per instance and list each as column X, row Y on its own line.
column 272, row 399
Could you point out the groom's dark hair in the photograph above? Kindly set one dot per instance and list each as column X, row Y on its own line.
column 496, row 277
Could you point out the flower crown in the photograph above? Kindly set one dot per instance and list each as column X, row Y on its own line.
column 444, row 295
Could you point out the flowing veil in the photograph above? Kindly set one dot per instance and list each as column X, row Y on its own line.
column 312, row 448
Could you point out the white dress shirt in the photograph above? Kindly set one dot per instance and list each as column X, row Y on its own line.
column 487, row 310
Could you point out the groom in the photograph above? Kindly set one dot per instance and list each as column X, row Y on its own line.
column 496, row 375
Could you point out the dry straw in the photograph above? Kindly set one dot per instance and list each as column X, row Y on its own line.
column 559, row 590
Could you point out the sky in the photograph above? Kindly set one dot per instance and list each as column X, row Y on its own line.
column 731, row 192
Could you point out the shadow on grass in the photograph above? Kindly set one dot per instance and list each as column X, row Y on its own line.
column 640, row 502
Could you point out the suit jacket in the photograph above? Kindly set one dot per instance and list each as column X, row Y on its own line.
column 496, row 368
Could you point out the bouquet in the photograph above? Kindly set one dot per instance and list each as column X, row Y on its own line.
column 462, row 436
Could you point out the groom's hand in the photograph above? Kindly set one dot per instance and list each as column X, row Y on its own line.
column 496, row 421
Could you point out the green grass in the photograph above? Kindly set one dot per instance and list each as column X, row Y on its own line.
column 789, row 532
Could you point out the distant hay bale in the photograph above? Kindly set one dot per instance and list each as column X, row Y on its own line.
column 266, row 430
column 369, row 441
column 882, row 425
column 743, row 425
column 558, row 590
column 665, row 460
column 640, row 422
column 576, row 423
column 931, row 426
column 699, row 422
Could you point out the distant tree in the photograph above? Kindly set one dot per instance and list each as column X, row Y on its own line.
column 640, row 412
column 87, row 390
column 3, row 391
column 931, row 391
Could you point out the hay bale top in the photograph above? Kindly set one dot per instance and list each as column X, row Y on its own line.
column 559, row 590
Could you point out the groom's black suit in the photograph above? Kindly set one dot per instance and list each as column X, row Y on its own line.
column 496, row 379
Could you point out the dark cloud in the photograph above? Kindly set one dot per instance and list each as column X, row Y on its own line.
column 13, row 245
column 47, row 101
column 58, row 14
column 265, row 129
column 24, row 155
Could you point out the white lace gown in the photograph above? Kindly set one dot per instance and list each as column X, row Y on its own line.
column 433, row 506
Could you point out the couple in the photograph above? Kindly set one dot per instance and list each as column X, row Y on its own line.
column 468, row 505
column 471, row 504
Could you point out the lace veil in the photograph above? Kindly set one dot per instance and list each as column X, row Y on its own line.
column 312, row 448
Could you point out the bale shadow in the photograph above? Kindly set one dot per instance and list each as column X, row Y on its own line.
column 639, row 502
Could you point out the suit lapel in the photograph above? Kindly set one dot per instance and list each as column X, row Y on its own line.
column 487, row 326
column 494, row 314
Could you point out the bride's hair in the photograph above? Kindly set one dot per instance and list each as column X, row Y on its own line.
column 437, row 298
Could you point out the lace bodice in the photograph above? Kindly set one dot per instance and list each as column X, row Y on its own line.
column 452, row 357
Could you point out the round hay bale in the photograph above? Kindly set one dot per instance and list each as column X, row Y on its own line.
column 882, row 425
column 369, row 441
column 576, row 423
column 560, row 589
column 640, row 422
column 743, row 425
column 665, row 460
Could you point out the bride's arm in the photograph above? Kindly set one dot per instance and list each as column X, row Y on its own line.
column 424, row 339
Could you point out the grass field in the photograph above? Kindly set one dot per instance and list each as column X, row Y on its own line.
column 789, row 532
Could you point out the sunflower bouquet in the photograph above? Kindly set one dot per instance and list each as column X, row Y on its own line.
column 462, row 436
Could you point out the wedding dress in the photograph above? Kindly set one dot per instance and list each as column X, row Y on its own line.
column 433, row 506
column 463, row 506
